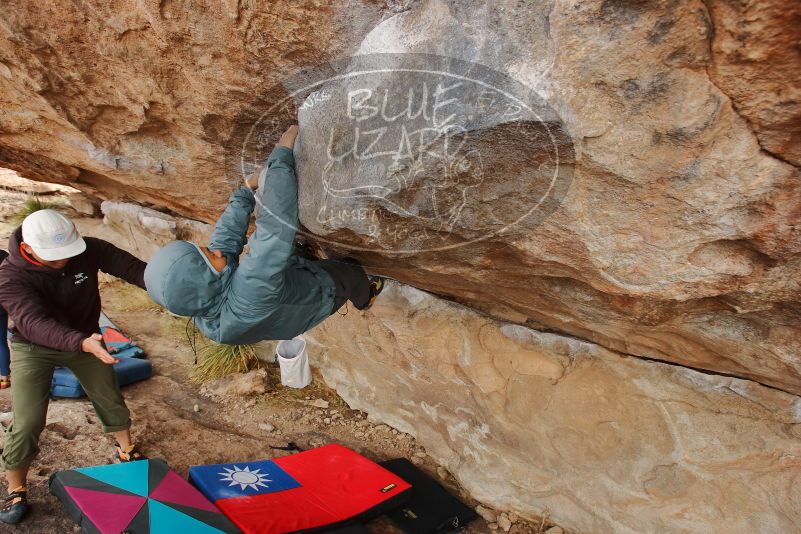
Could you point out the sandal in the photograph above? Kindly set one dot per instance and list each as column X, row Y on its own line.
column 133, row 454
column 15, row 506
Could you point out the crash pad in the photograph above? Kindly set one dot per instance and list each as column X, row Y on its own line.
column 320, row 487
column 143, row 497
column 117, row 342
column 131, row 368
column 128, row 371
column 431, row 509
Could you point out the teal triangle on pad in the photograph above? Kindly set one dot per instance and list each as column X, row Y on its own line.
column 129, row 476
column 166, row 520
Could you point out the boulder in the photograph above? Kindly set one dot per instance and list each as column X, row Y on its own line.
column 13, row 181
column 141, row 101
column 84, row 204
column 668, row 229
column 612, row 185
column 149, row 230
column 545, row 424
column 624, row 201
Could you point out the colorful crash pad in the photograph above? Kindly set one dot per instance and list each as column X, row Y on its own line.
column 308, row 490
column 143, row 497
column 115, row 341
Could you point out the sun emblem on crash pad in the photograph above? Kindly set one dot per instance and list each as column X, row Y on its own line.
column 245, row 478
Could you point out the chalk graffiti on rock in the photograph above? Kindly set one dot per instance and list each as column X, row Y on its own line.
column 416, row 153
column 403, row 138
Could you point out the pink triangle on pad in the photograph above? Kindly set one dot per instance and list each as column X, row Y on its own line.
column 174, row 489
column 110, row 512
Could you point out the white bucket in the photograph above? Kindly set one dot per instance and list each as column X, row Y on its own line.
column 294, row 362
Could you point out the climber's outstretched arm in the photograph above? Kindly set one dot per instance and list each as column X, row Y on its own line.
column 271, row 245
column 230, row 232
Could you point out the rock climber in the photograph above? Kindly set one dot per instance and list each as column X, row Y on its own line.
column 272, row 293
column 48, row 286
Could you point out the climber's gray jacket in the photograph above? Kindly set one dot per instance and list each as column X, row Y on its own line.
column 271, row 294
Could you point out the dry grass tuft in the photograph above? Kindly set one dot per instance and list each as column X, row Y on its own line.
column 216, row 361
column 33, row 204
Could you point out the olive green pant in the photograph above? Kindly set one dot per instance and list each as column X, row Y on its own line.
column 32, row 369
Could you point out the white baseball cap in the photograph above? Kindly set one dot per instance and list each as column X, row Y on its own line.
column 52, row 236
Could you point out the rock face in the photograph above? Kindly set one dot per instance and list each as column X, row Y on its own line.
column 673, row 234
column 532, row 421
column 621, row 174
column 149, row 229
column 137, row 100
column 756, row 56
column 673, row 230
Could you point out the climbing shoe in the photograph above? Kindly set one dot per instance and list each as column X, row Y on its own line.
column 376, row 287
column 131, row 454
column 304, row 250
column 15, row 506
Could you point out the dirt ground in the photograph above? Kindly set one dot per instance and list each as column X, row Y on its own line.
column 173, row 420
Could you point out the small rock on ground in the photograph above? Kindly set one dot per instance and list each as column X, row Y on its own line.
column 504, row 522
column 489, row 515
column 320, row 403
column 250, row 383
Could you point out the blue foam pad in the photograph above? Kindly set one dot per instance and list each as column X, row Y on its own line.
column 131, row 352
column 129, row 370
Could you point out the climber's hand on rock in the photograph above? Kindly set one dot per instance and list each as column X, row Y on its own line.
column 288, row 137
column 253, row 181
column 287, row 140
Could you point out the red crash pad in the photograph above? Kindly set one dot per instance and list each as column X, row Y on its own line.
column 308, row 490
